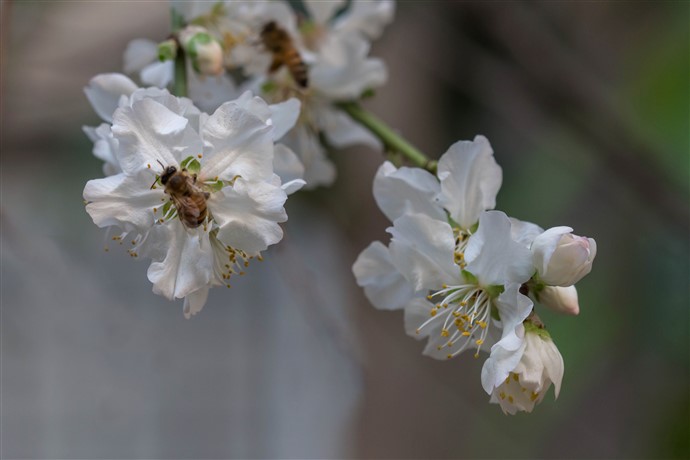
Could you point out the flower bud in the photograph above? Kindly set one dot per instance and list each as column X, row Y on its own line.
column 561, row 258
column 540, row 365
column 204, row 50
column 559, row 299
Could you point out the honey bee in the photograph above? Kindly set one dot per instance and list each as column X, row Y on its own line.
column 276, row 40
column 188, row 198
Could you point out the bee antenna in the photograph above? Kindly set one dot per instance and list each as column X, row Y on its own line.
column 162, row 165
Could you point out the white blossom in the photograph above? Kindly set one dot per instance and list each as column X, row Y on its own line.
column 540, row 364
column 227, row 156
column 462, row 269
column 464, row 280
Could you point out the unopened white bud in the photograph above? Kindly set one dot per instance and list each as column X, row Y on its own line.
column 561, row 258
column 559, row 299
column 204, row 50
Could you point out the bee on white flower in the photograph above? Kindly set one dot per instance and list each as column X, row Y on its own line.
column 327, row 62
column 225, row 159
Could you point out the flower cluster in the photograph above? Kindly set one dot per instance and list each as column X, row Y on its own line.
column 198, row 184
column 319, row 57
column 466, row 275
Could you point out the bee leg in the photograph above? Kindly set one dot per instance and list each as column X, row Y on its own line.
column 275, row 65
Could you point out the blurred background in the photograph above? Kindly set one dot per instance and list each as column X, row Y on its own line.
column 586, row 105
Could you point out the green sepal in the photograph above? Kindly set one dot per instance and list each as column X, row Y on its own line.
column 200, row 38
column 214, row 186
column 167, row 50
column 534, row 329
column 307, row 27
column 368, row 93
column 494, row 291
column 167, row 211
column 469, row 277
column 494, row 312
column 191, row 164
column 535, row 286
column 268, row 87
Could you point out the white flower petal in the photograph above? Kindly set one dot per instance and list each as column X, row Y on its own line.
column 149, row 132
column 248, row 214
column 104, row 147
column 104, row 92
column 422, row 250
column 513, row 308
column 286, row 164
column 383, row 284
column 343, row 71
column 341, row 131
column 553, row 364
column 366, row 17
column 284, row 116
column 180, row 105
column 318, row 169
column 122, row 200
column 188, row 263
column 210, row 92
column 561, row 299
column 322, row 11
column 416, row 313
column 195, row 301
column 158, row 74
column 254, row 105
column 139, row 53
column 492, row 255
column 524, row 232
column 237, row 144
column 501, row 362
column 470, row 179
column 406, row 191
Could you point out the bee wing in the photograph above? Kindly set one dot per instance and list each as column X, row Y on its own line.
column 187, row 207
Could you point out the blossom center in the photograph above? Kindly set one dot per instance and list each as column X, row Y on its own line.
column 228, row 260
column 464, row 312
column 513, row 394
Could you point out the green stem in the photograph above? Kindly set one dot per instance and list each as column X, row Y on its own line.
column 180, row 80
column 390, row 138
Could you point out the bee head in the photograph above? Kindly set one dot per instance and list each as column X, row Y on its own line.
column 167, row 173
